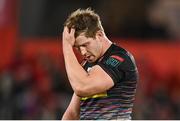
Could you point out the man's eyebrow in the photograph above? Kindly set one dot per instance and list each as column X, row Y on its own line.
column 84, row 43
column 81, row 44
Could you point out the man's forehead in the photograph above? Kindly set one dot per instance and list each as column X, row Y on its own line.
column 81, row 39
column 79, row 43
column 75, row 44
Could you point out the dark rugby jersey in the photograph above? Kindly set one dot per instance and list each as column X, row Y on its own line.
column 117, row 102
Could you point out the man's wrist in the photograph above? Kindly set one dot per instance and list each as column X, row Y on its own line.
column 67, row 47
column 66, row 43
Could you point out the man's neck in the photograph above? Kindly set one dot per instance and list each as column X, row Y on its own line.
column 106, row 44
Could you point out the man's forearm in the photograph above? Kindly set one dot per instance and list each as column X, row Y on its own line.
column 75, row 72
column 68, row 115
column 73, row 110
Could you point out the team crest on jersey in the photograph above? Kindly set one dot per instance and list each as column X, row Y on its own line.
column 114, row 61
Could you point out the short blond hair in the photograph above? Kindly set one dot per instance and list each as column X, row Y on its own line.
column 84, row 20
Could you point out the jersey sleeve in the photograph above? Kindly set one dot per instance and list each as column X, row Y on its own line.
column 112, row 66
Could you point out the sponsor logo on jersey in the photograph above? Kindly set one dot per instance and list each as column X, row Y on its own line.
column 114, row 61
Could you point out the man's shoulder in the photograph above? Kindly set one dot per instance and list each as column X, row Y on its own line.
column 119, row 51
column 119, row 58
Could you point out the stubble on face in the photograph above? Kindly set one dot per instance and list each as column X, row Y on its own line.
column 92, row 46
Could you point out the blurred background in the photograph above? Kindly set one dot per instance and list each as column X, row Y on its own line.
column 33, row 81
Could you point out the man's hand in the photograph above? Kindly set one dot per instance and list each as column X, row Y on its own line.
column 68, row 36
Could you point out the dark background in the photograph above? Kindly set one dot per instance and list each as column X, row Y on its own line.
column 33, row 81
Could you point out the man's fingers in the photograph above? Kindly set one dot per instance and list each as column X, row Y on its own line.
column 68, row 35
column 72, row 31
column 65, row 29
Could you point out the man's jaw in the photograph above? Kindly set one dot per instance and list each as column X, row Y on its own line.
column 90, row 58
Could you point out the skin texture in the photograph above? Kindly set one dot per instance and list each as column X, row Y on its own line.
column 88, row 47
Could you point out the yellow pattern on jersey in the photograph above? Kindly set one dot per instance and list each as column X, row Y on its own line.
column 95, row 96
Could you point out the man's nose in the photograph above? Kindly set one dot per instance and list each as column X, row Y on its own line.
column 83, row 50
